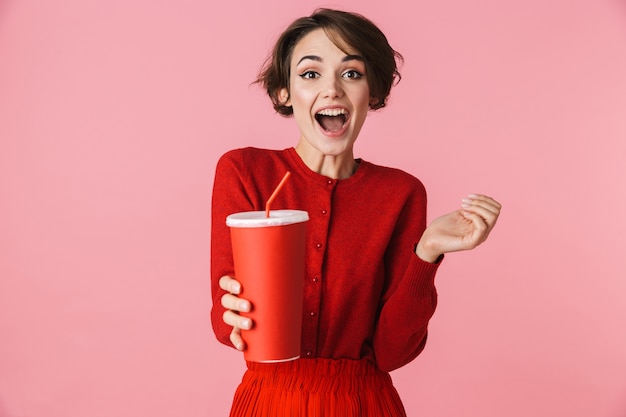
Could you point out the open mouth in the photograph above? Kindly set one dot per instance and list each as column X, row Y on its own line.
column 332, row 120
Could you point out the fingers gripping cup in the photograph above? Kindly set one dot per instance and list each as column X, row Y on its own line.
column 268, row 255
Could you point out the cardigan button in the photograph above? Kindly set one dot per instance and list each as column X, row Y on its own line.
column 324, row 211
column 309, row 353
column 313, row 314
column 316, row 278
column 318, row 245
column 329, row 182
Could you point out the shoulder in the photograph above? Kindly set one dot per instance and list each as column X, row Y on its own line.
column 245, row 158
column 393, row 178
column 249, row 153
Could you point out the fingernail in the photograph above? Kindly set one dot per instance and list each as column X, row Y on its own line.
column 239, row 346
column 244, row 306
column 245, row 324
column 235, row 288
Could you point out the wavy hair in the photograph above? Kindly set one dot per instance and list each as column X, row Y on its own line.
column 344, row 29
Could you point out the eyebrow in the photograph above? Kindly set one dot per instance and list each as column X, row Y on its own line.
column 319, row 59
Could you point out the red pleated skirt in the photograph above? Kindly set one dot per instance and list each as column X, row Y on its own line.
column 316, row 388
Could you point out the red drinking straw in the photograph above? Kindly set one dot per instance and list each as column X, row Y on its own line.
column 275, row 193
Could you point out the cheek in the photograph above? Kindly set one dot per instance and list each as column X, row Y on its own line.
column 300, row 104
column 302, row 96
column 362, row 97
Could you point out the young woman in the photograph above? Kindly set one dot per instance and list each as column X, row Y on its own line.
column 370, row 259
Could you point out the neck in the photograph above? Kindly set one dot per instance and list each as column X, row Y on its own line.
column 338, row 167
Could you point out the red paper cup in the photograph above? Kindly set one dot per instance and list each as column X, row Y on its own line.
column 269, row 263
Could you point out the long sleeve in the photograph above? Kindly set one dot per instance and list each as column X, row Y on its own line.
column 410, row 298
column 244, row 179
column 229, row 196
column 401, row 331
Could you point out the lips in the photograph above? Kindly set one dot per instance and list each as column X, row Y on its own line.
column 332, row 120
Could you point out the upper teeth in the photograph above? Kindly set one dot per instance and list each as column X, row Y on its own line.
column 331, row 112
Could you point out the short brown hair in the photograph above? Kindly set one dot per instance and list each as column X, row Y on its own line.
column 343, row 28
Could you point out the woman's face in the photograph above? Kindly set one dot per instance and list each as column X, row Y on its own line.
column 329, row 94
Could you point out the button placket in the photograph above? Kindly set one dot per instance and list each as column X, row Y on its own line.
column 320, row 220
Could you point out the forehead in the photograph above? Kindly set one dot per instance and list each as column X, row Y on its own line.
column 320, row 43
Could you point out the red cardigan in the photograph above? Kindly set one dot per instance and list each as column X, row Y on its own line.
column 366, row 293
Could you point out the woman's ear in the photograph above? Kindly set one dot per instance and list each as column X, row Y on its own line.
column 283, row 96
column 374, row 102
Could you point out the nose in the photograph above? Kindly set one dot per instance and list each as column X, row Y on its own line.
column 332, row 88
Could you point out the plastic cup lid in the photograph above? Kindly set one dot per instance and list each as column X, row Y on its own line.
column 258, row 219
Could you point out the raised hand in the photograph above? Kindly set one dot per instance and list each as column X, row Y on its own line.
column 459, row 230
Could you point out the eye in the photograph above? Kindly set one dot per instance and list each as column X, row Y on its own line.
column 308, row 75
column 352, row 74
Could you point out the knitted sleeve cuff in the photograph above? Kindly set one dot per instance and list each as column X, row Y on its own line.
column 421, row 276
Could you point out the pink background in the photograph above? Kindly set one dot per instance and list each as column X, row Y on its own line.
column 112, row 117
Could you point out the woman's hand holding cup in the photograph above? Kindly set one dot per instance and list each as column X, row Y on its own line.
column 235, row 305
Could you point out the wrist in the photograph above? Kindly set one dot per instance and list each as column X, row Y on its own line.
column 426, row 252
